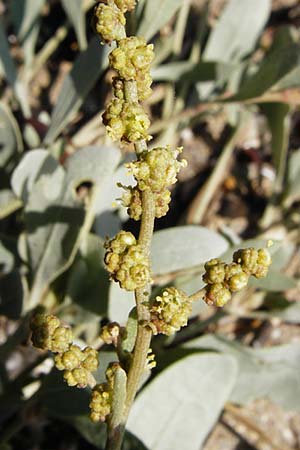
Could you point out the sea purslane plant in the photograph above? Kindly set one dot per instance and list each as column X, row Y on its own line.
column 127, row 258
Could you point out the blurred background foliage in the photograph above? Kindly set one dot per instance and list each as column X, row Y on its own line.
column 227, row 88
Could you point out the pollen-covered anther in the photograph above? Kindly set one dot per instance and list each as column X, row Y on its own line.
column 170, row 311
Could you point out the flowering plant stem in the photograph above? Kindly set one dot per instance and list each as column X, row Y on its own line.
column 144, row 332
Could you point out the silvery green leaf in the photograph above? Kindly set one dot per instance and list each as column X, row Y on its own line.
column 184, row 247
column 270, row 372
column 56, row 218
column 120, row 304
column 10, row 136
column 24, row 15
column 75, row 87
column 31, row 167
column 155, row 15
column 75, row 13
column 178, row 409
column 237, row 31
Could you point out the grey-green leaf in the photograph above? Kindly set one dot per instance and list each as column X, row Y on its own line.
column 184, row 247
column 271, row 372
column 55, row 217
column 237, row 31
column 75, row 13
column 156, row 14
column 77, row 84
column 10, row 136
column 195, row 387
column 24, row 15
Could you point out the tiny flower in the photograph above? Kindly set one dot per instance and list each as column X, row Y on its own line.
column 109, row 22
column 101, row 401
column 216, row 294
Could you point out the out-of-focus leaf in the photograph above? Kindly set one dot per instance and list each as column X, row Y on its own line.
column 32, row 166
column 195, row 387
column 88, row 280
column 155, row 15
column 293, row 182
column 11, row 295
column 282, row 59
column 237, row 31
column 187, row 71
column 279, row 123
column 75, row 13
column 275, row 281
column 8, row 254
column 95, row 434
column 270, row 372
column 10, row 136
column 120, row 304
column 77, row 84
column 61, row 400
column 8, row 203
column 8, row 68
column 24, row 15
column 55, row 217
column 184, row 247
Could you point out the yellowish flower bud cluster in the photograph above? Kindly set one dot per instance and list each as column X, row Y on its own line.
column 126, row 121
column 126, row 262
column 132, row 200
column 132, row 58
column 170, row 311
column 110, row 333
column 155, row 170
column 77, row 364
column 109, row 22
column 49, row 334
column 125, row 5
column 224, row 279
column 101, row 402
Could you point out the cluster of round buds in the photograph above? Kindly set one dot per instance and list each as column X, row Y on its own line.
column 109, row 22
column 126, row 121
column 126, row 262
column 132, row 58
column 110, row 333
column 170, row 311
column 77, row 364
column 132, row 200
column 49, row 334
column 157, row 169
column 101, row 401
column 224, row 279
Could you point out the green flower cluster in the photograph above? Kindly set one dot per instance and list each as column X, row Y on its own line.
column 126, row 121
column 102, row 394
column 77, row 364
column 131, row 59
column 132, row 200
column 170, row 311
column 126, row 262
column 224, row 279
column 155, row 170
column 110, row 333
